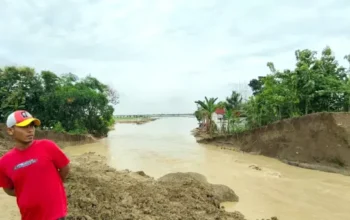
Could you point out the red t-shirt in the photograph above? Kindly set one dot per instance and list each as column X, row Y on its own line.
column 33, row 173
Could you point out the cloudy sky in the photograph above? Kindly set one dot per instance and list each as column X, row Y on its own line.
column 161, row 55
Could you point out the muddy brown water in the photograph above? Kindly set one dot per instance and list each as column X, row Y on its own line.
column 166, row 145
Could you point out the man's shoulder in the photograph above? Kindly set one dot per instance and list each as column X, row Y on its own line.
column 9, row 155
column 46, row 145
column 45, row 142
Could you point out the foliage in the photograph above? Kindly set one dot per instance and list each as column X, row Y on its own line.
column 206, row 109
column 234, row 101
column 316, row 84
column 63, row 103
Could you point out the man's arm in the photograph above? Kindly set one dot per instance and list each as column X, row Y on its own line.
column 10, row 192
column 6, row 183
column 59, row 159
column 64, row 172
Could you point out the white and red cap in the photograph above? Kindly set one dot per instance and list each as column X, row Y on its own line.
column 21, row 118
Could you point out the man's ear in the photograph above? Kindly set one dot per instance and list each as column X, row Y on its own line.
column 10, row 131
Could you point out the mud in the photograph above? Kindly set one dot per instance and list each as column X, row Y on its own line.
column 5, row 143
column 317, row 141
column 96, row 191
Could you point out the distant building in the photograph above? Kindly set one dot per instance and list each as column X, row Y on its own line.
column 218, row 118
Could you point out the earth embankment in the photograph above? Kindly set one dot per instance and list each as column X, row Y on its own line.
column 317, row 141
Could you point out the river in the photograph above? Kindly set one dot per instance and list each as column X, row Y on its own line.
column 166, row 145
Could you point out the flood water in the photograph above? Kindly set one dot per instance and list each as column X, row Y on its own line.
column 287, row 192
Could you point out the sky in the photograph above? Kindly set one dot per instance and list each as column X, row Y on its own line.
column 162, row 55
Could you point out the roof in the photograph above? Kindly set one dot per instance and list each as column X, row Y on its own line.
column 220, row 111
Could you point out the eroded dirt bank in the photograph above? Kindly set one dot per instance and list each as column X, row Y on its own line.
column 316, row 141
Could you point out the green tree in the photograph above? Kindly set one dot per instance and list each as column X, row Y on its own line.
column 233, row 105
column 64, row 103
column 314, row 85
column 208, row 107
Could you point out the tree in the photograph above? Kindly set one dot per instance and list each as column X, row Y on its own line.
column 65, row 103
column 234, row 101
column 314, row 85
column 208, row 107
column 256, row 85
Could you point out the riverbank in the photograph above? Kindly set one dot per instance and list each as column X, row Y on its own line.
column 132, row 195
column 318, row 141
column 134, row 120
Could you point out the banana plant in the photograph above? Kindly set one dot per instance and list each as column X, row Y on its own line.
column 208, row 107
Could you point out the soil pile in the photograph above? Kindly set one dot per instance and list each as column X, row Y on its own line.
column 3, row 147
column 221, row 193
column 317, row 141
column 96, row 191
column 5, row 143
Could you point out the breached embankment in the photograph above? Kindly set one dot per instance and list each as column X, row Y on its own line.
column 96, row 191
column 318, row 141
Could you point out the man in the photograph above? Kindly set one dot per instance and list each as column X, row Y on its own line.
column 34, row 171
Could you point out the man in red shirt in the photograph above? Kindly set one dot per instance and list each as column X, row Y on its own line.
column 34, row 171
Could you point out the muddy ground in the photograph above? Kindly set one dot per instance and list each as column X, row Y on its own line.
column 317, row 141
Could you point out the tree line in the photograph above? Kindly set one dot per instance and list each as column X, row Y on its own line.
column 63, row 103
column 316, row 84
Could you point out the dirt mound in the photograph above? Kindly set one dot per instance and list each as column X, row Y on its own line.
column 96, row 191
column 5, row 143
column 318, row 141
column 220, row 192
column 3, row 147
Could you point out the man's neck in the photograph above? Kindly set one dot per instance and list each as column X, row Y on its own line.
column 23, row 146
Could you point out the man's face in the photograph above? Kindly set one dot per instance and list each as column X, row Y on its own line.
column 23, row 134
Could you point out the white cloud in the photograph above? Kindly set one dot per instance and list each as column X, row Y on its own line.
column 161, row 55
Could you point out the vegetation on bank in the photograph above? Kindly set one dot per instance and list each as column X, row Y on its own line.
column 134, row 119
column 316, row 84
column 63, row 103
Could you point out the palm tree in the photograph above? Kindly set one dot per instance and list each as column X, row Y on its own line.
column 233, row 104
column 229, row 117
column 234, row 101
column 208, row 108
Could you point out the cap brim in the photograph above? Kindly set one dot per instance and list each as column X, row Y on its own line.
column 28, row 122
